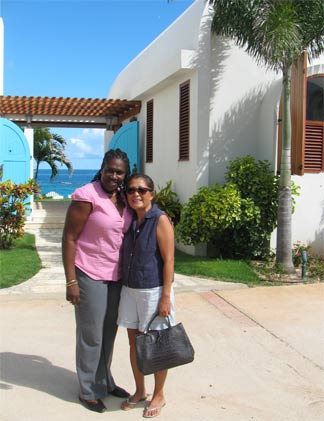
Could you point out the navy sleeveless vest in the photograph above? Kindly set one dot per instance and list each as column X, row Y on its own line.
column 142, row 264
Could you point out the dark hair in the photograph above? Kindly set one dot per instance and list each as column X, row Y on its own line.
column 114, row 154
column 148, row 180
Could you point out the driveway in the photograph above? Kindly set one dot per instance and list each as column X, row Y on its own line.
column 259, row 356
column 259, row 351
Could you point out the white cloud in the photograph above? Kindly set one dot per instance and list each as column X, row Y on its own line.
column 81, row 145
column 97, row 134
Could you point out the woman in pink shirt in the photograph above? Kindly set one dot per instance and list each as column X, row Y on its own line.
column 94, row 228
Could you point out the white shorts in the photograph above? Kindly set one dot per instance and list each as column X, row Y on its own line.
column 137, row 306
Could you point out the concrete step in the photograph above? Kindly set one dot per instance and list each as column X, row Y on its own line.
column 47, row 215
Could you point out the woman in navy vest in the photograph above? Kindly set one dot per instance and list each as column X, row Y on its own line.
column 147, row 275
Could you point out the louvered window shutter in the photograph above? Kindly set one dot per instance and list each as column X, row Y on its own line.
column 314, row 147
column 314, row 130
column 298, row 115
column 149, row 131
column 184, row 121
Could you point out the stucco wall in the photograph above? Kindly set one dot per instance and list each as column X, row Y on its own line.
column 233, row 112
column 308, row 219
column 238, row 88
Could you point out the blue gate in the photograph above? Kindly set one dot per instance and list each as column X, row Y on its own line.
column 14, row 152
column 126, row 139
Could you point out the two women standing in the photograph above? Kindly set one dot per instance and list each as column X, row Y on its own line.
column 98, row 221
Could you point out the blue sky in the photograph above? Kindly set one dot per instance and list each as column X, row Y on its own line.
column 76, row 48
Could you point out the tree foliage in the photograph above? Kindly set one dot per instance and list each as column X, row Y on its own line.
column 274, row 32
column 168, row 201
column 50, row 148
column 13, row 207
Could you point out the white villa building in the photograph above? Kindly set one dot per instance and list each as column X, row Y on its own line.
column 205, row 102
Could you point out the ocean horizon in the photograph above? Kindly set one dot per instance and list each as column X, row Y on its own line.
column 63, row 184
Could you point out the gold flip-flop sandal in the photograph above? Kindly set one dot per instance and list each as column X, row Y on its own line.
column 128, row 404
column 155, row 411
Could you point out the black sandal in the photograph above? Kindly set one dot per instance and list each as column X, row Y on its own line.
column 93, row 406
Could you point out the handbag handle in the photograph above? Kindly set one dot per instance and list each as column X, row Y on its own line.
column 151, row 321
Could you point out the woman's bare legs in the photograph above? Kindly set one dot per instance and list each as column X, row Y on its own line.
column 140, row 392
column 158, row 400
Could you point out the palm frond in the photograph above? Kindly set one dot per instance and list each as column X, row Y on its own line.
column 50, row 148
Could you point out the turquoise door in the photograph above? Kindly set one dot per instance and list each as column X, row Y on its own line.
column 14, row 152
column 126, row 139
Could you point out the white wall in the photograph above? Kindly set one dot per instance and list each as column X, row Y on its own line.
column 268, row 124
column 308, row 218
column 238, row 87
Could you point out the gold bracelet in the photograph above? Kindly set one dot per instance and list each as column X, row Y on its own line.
column 71, row 283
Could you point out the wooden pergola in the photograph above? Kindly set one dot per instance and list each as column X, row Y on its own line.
column 36, row 111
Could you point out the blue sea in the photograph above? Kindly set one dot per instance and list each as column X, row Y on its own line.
column 62, row 184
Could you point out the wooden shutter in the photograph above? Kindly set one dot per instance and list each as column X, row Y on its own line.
column 298, row 115
column 314, row 146
column 184, row 121
column 149, row 131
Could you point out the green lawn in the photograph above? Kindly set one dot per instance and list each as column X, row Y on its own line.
column 20, row 262
column 220, row 270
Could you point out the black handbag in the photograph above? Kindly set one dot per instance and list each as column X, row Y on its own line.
column 158, row 350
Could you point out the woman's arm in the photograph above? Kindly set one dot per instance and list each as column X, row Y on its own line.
column 165, row 238
column 76, row 217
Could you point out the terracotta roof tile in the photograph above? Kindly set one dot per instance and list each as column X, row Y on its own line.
column 53, row 106
column 94, row 107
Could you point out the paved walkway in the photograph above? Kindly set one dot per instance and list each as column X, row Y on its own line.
column 259, row 352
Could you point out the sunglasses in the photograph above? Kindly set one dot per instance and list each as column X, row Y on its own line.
column 140, row 190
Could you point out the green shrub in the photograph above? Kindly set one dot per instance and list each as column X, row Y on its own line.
column 168, row 201
column 216, row 215
column 13, row 209
column 237, row 219
column 255, row 180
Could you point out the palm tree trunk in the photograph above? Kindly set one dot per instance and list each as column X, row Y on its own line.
column 284, row 241
column 36, row 171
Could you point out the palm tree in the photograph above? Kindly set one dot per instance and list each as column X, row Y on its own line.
column 49, row 147
column 276, row 33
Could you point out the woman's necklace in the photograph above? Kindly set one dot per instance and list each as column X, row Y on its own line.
column 117, row 201
column 113, row 197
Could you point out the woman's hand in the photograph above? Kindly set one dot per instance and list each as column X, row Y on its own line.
column 164, row 306
column 73, row 294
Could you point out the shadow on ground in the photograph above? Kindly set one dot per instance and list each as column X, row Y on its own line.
column 37, row 373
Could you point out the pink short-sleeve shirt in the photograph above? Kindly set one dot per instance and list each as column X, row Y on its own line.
column 98, row 246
